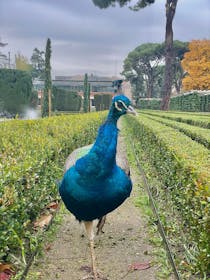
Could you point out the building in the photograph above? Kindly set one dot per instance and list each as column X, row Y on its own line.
column 98, row 86
column 76, row 83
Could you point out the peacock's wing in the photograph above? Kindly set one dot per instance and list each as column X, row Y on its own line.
column 82, row 151
column 75, row 155
column 121, row 157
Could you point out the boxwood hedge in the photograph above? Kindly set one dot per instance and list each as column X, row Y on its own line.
column 183, row 168
column 32, row 155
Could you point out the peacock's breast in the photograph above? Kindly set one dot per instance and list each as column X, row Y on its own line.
column 89, row 200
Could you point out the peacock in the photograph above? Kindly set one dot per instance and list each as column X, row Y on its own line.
column 94, row 185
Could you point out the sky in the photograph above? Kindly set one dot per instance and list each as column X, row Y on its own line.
column 86, row 39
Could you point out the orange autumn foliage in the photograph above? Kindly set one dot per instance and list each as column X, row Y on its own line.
column 196, row 63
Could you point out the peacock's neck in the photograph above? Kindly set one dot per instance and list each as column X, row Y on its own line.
column 106, row 142
column 102, row 157
column 112, row 117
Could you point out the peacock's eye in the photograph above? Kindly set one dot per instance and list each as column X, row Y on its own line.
column 120, row 105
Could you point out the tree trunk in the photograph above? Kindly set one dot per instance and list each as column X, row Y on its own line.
column 150, row 81
column 150, row 86
column 168, row 75
column 149, row 89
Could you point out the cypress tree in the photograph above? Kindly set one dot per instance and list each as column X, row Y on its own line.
column 46, row 102
column 86, row 95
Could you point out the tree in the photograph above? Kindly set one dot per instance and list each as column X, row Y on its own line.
column 144, row 68
column 196, row 64
column 169, row 59
column 138, row 87
column 15, row 91
column 170, row 12
column 4, row 60
column 141, row 67
column 158, row 81
column 179, row 49
column 22, row 63
column 38, row 64
column 103, row 4
column 86, row 95
column 3, row 44
column 46, row 102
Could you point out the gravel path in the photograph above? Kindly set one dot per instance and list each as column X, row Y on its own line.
column 124, row 242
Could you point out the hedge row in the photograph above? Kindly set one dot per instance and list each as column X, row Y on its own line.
column 152, row 103
column 183, row 168
column 32, row 155
column 201, row 135
column 192, row 102
column 63, row 100
column 195, row 119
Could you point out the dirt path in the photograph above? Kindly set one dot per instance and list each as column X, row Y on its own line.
column 124, row 242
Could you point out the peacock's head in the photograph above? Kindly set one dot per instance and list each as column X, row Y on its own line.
column 122, row 105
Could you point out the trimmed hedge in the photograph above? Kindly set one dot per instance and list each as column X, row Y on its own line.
column 194, row 102
column 200, row 135
column 183, row 168
column 191, row 102
column 32, row 159
column 152, row 103
column 195, row 119
column 64, row 100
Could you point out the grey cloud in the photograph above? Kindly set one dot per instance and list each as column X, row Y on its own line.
column 85, row 38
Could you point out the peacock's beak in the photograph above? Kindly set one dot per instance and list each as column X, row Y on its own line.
column 130, row 110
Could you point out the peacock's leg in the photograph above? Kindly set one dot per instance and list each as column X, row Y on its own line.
column 90, row 233
column 100, row 224
column 93, row 258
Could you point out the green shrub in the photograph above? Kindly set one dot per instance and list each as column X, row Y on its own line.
column 193, row 102
column 183, row 167
column 32, row 159
column 200, row 135
column 196, row 119
column 189, row 102
column 152, row 103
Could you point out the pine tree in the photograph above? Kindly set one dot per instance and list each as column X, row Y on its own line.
column 170, row 6
column 169, row 56
column 46, row 102
column 38, row 64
